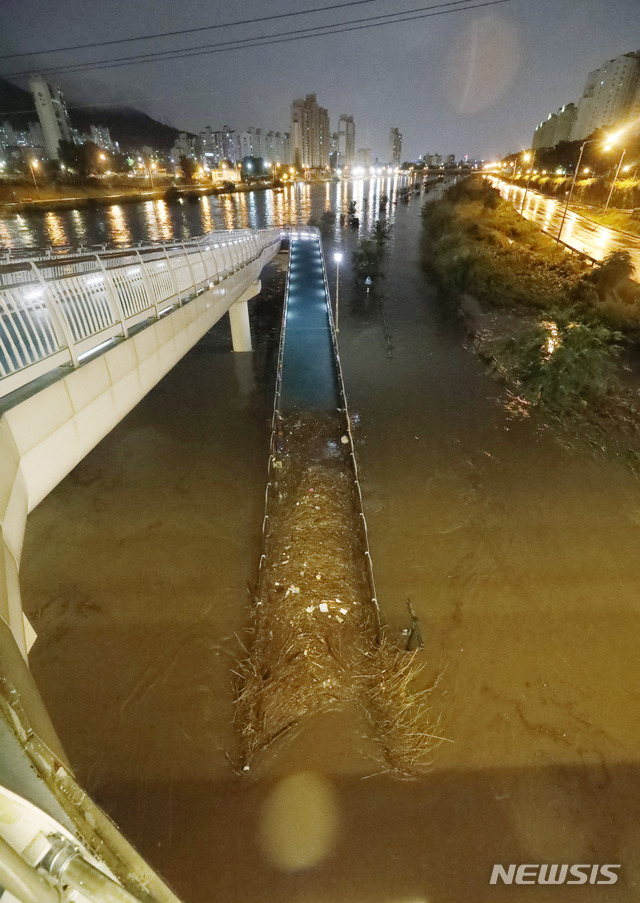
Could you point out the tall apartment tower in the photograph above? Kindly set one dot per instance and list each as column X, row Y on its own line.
column 346, row 139
column 52, row 113
column 224, row 142
column 610, row 96
column 395, row 146
column 555, row 128
column 310, row 135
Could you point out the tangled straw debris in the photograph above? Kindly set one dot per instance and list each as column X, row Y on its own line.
column 314, row 643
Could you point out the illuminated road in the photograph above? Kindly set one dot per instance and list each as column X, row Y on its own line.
column 578, row 232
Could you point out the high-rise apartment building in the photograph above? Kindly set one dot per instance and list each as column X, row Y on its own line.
column 310, row 135
column 611, row 96
column 224, row 143
column 52, row 114
column 395, row 146
column 101, row 136
column 7, row 136
column 555, row 128
column 346, row 140
column 278, row 147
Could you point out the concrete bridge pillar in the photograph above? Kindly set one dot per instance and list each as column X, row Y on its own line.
column 239, row 318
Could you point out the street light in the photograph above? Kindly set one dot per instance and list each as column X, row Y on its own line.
column 573, row 182
column 33, row 163
column 615, row 178
column 337, row 257
column 529, row 158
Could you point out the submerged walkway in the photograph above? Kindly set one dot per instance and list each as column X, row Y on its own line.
column 309, row 377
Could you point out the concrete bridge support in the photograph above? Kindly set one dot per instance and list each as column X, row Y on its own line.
column 239, row 319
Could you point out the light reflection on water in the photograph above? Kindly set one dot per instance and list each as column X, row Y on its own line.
column 120, row 230
column 56, row 229
column 160, row 220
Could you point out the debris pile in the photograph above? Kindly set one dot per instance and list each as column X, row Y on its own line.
column 314, row 641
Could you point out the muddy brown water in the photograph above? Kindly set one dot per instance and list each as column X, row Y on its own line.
column 519, row 557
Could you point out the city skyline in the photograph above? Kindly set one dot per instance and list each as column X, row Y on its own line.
column 437, row 77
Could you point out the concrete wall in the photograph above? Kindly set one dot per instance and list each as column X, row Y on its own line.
column 44, row 437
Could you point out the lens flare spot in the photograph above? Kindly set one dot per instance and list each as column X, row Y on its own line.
column 482, row 64
column 299, row 824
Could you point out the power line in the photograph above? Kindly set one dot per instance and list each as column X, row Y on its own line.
column 278, row 38
column 241, row 42
column 181, row 31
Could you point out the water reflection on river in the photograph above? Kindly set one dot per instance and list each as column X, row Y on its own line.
column 160, row 220
column 519, row 556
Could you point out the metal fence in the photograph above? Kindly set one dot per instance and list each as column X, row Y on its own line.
column 57, row 309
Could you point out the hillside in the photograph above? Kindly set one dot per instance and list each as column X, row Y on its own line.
column 130, row 127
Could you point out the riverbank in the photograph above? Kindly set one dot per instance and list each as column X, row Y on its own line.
column 475, row 242
column 20, row 197
column 67, row 197
column 545, row 324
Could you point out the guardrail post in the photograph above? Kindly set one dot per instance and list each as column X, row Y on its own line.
column 193, row 278
column 204, row 265
column 112, row 297
column 172, row 277
column 151, row 295
column 60, row 325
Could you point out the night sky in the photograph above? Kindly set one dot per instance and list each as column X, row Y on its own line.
column 470, row 82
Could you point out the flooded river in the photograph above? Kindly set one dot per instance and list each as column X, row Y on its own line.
column 519, row 557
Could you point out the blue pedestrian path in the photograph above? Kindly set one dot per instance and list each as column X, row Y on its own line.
column 309, row 376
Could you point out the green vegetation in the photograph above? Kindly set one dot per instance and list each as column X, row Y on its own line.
column 559, row 356
column 560, row 364
column 368, row 258
column 475, row 242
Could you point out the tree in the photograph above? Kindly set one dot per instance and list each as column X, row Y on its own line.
column 83, row 159
column 189, row 168
column 612, row 273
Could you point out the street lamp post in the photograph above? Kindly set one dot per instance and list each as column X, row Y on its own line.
column 615, row 179
column 34, row 165
column 577, row 169
column 530, row 158
column 337, row 257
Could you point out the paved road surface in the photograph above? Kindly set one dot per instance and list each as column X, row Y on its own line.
column 578, row 231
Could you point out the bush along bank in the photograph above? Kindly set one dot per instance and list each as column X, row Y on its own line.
column 555, row 331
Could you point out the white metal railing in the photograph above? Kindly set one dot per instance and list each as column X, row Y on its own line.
column 57, row 308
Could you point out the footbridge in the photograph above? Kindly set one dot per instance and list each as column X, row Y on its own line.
column 309, row 376
column 83, row 337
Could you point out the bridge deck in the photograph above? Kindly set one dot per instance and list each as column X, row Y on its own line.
column 309, row 378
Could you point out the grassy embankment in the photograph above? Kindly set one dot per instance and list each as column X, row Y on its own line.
column 561, row 354
column 614, row 219
column 21, row 196
column 590, row 195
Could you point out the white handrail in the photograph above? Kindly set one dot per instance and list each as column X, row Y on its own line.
column 58, row 309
